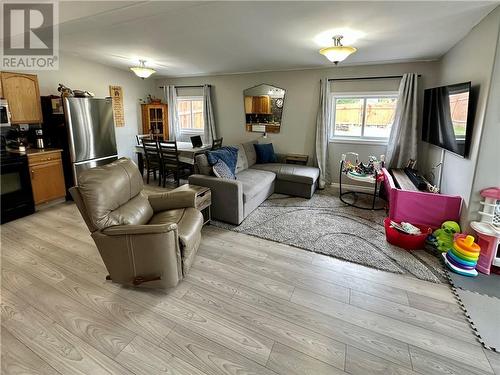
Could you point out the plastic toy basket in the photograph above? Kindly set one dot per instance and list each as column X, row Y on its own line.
column 406, row 241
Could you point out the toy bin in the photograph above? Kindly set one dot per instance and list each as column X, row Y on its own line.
column 406, row 241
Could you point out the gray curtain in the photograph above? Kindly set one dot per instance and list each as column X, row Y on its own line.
column 403, row 139
column 208, row 113
column 170, row 93
column 322, row 124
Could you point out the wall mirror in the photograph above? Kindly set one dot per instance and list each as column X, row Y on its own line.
column 264, row 108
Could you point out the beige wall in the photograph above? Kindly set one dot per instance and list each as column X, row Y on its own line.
column 472, row 59
column 301, row 102
column 78, row 73
column 487, row 172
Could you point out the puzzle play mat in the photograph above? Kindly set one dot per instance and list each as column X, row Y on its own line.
column 479, row 297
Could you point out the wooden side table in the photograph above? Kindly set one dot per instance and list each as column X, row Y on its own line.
column 203, row 199
column 296, row 159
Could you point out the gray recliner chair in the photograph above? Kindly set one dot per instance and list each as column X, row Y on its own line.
column 143, row 240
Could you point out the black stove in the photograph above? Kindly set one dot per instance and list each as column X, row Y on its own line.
column 15, row 186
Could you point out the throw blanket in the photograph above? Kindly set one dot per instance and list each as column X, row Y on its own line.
column 227, row 154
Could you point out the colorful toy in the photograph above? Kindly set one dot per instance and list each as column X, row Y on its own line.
column 462, row 256
column 442, row 238
column 361, row 170
column 488, row 230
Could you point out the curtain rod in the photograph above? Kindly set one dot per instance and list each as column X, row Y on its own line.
column 360, row 78
column 186, row 86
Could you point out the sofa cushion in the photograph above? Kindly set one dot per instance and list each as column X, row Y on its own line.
column 298, row 173
column 291, row 172
column 250, row 152
column 270, row 167
column 242, row 162
column 202, row 166
column 227, row 154
column 265, row 153
column 221, row 170
column 189, row 222
column 254, row 181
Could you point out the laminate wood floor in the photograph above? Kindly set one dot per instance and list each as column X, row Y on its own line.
column 248, row 306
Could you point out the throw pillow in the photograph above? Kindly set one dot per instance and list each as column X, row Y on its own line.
column 265, row 153
column 202, row 166
column 221, row 170
column 227, row 154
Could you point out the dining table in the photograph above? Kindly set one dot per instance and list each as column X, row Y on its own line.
column 185, row 150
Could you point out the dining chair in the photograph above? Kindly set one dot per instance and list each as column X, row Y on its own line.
column 153, row 159
column 170, row 162
column 217, row 143
column 140, row 137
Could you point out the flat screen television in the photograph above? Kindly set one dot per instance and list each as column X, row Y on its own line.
column 448, row 117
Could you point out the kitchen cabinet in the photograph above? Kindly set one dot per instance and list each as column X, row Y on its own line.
column 23, row 96
column 154, row 120
column 258, row 104
column 47, row 178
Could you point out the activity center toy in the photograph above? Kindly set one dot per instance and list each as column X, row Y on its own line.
column 463, row 255
column 488, row 230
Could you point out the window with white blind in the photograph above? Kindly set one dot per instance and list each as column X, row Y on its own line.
column 190, row 113
column 362, row 117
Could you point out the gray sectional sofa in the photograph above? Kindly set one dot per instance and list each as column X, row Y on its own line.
column 234, row 200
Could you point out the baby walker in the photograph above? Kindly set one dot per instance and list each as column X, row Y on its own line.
column 370, row 173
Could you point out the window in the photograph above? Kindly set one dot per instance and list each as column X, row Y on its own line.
column 190, row 113
column 362, row 116
column 459, row 104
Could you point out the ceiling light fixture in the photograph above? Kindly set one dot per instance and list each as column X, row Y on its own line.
column 141, row 70
column 337, row 52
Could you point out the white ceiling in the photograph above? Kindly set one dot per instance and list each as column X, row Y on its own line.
column 199, row 38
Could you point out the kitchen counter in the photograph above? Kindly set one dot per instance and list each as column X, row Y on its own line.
column 35, row 151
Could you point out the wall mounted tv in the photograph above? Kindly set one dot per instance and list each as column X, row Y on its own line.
column 449, row 117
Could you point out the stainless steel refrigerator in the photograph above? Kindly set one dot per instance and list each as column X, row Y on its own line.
column 91, row 133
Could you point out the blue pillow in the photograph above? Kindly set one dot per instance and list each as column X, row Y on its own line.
column 227, row 154
column 265, row 153
column 221, row 170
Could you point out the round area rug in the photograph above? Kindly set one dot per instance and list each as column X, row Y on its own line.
column 325, row 225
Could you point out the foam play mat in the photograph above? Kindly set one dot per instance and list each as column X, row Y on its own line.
column 479, row 297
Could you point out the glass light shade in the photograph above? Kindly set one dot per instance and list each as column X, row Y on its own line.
column 142, row 72
column 337, row 53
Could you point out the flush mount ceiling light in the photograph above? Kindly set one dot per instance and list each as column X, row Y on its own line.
column 141, row 70
column 337, row 52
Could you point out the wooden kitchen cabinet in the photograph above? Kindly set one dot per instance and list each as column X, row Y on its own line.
column 23, row 96
column 258, row 104
column 47, row 178
column 155, row 120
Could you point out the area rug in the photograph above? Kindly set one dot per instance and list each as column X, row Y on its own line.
column 479, row 298
column 323, row 224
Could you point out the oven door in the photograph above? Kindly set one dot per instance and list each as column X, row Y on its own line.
column 15, row 190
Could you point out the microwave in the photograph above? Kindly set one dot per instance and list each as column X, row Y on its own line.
column 4, row 113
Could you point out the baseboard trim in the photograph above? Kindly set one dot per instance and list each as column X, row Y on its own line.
column 349, row 187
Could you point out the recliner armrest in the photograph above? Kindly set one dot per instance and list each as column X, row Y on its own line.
column 120, row 230
column 171, row 200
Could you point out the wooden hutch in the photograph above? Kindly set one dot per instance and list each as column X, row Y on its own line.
column 155, row 120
